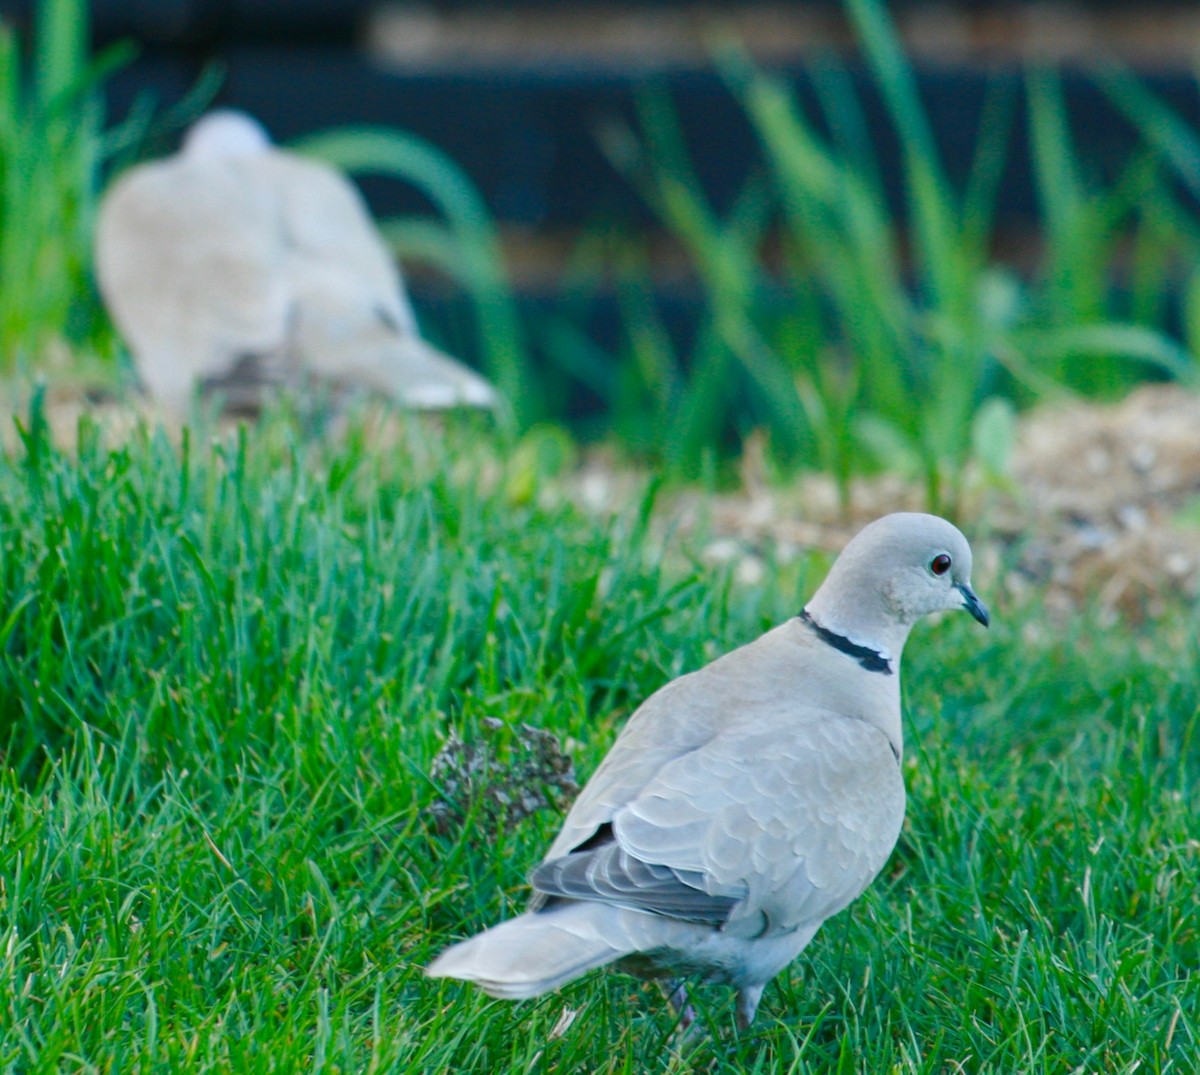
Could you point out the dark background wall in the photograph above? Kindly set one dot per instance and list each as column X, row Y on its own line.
column 522, row 119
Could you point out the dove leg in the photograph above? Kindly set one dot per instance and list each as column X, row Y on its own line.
column 677, row 997
column 747, row 1004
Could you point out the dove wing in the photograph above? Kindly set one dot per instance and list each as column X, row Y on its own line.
column 760, row 830
column 337, row 263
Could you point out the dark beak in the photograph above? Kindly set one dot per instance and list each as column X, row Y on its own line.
column 972, row 604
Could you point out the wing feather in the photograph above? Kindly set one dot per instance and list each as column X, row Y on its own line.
column 756, row 831
column 609, row 874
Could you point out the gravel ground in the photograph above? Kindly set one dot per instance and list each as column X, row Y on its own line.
column 1101, row 504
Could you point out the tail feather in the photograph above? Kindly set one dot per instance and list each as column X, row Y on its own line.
column 534, row 953
column 404, row 368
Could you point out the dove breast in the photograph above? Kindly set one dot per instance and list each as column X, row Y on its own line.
column 189, row 263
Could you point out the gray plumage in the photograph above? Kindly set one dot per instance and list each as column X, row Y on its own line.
column 745, row 803
column 237, row 267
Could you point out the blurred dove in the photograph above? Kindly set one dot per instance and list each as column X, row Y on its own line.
column 237, row 267
column 745, row 803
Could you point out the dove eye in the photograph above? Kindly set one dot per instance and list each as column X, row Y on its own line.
column 940, row 564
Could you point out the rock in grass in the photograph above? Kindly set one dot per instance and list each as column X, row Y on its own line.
column 745, row 803
column 239, row 268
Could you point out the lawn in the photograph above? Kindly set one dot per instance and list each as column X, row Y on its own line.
column 230, row 661
column 227, row 665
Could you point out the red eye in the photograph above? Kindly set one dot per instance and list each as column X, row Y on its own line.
column 940, row 564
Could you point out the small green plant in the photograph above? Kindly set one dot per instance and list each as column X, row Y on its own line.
column 54, row 147
column 1175, row 145
column 50, row 152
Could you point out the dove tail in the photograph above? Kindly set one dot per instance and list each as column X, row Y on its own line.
column 532, row 954
column 402, row 367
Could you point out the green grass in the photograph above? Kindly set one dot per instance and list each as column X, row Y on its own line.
column 54, row 144
column 49, row 160
column 225, row 670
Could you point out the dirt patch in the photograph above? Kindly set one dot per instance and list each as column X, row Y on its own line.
column 1109, row 500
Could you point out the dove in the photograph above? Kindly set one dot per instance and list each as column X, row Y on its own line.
column 742, row 804
column 239, row 268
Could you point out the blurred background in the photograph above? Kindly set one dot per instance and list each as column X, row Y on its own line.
column 868, row 234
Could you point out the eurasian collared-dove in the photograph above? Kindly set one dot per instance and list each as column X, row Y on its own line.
column 236, row 266
column 745, row 803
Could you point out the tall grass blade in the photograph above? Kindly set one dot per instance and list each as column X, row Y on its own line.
column 1175, row 140
column 927, row 189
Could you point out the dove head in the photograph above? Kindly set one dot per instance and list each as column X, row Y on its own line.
column 894, row 571
column 224, row 134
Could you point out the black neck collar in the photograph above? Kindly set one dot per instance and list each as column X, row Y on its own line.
column 870, row 659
